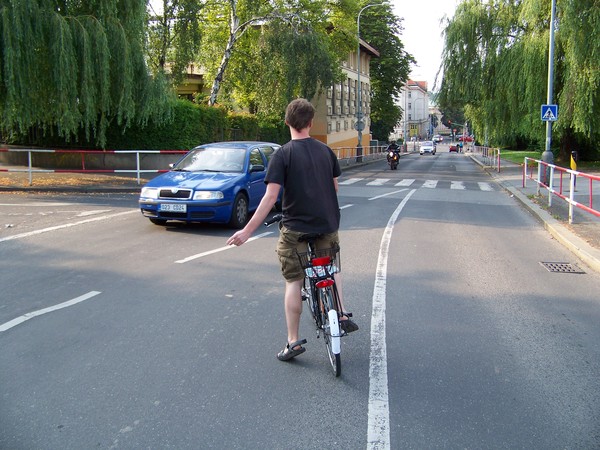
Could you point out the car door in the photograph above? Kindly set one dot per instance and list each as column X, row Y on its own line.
column 256, row 178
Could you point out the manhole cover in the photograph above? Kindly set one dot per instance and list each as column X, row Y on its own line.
column 561, row 267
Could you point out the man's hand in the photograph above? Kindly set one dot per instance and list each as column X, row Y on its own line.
column 239, row 238
column 265, row 205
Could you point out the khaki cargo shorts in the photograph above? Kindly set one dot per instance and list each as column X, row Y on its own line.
column 287, row 246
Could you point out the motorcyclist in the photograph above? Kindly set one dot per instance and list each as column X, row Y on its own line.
column 393, row 149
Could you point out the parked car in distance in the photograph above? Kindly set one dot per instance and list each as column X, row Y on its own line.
column 465, row 138
column 438, row 138
column 427, row 147
column 222, row 182
column 453, row 148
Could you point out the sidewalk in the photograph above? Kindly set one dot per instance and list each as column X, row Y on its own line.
column 582, row 237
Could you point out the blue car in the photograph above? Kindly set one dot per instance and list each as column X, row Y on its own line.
column 222, row 182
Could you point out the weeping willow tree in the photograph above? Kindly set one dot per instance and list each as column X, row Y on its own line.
column 495, row 65
column 74, row 68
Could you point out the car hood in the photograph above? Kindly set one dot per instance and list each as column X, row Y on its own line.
column 195, row 180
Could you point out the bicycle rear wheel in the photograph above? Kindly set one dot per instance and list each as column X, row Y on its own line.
column 331, row 329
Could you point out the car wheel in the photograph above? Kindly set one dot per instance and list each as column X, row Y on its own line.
column 239, row 213
column 158, row 221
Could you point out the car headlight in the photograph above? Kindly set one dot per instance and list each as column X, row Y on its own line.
column 148, row 192
column 208, row 195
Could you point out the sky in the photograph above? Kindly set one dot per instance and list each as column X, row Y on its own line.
column 422, row 35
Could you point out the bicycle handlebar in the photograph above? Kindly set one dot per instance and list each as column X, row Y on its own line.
column 272, row 220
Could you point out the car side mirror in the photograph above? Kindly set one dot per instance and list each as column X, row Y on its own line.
column 257, row 168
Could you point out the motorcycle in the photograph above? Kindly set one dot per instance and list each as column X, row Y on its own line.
column 393, row 158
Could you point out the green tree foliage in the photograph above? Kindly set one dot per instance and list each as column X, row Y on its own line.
column 382, row 30
column 496, row 68
column 174, row 36
column 68, row 66
column 298, row 47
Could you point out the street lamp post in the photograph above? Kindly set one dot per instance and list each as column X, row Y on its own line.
column 547, row 155
column 360, row 124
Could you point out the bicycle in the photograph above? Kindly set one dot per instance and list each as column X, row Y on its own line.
column 320, row 293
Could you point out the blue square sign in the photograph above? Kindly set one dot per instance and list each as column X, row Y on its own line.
column 549, row 113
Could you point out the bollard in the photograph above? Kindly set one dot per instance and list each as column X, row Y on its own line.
column 574, row 167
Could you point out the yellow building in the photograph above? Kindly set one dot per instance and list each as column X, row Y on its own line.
column 336, row 114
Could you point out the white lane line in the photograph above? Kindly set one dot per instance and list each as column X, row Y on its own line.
column 39, row 312
column 93, row 213
column 66, row 225
column 378, row 436
column 346, row 206
column 220, row 249
column 430, row 184
column 406, row 182
column 485, row 186
column 457, row 185
column 389, row 193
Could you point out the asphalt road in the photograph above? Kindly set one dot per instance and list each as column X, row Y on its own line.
column 466, row 339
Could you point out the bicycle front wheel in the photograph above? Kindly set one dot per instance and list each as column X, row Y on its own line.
column 331, row 329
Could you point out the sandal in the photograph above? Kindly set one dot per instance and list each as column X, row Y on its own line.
column 347, row 324
column 290, row 351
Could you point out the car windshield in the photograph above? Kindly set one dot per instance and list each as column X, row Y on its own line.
column 213, row 159
column 427, row 143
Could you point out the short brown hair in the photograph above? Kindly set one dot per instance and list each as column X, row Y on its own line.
column 299, row 113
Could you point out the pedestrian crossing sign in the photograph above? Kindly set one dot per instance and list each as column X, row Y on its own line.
column 549, row 113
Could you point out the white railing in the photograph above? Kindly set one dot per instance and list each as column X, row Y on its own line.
column 544, row 175
column 490, row 157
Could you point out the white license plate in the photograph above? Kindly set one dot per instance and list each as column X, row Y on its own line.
column 173, row 207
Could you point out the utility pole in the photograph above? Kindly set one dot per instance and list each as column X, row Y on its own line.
column 547, row 155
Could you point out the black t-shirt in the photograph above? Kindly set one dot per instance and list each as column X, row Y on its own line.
column 306, row 169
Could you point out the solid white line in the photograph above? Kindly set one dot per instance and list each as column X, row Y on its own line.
column 39, row 312
column 220, row 249
column 346, row 206
column 389, row 193
column 378, row 436
column 66, row 225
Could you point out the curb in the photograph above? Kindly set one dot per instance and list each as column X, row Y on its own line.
column 588, row 254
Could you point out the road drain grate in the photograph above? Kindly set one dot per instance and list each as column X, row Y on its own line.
column 561, row 267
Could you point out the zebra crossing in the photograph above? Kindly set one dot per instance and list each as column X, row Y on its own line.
column 427, row 184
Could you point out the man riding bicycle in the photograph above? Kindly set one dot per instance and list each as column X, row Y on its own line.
column 308, row 170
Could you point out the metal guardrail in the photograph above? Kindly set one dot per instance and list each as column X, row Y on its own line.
column 138, row 170
column 544, row 175
column 489, row 157
column 346, row 155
